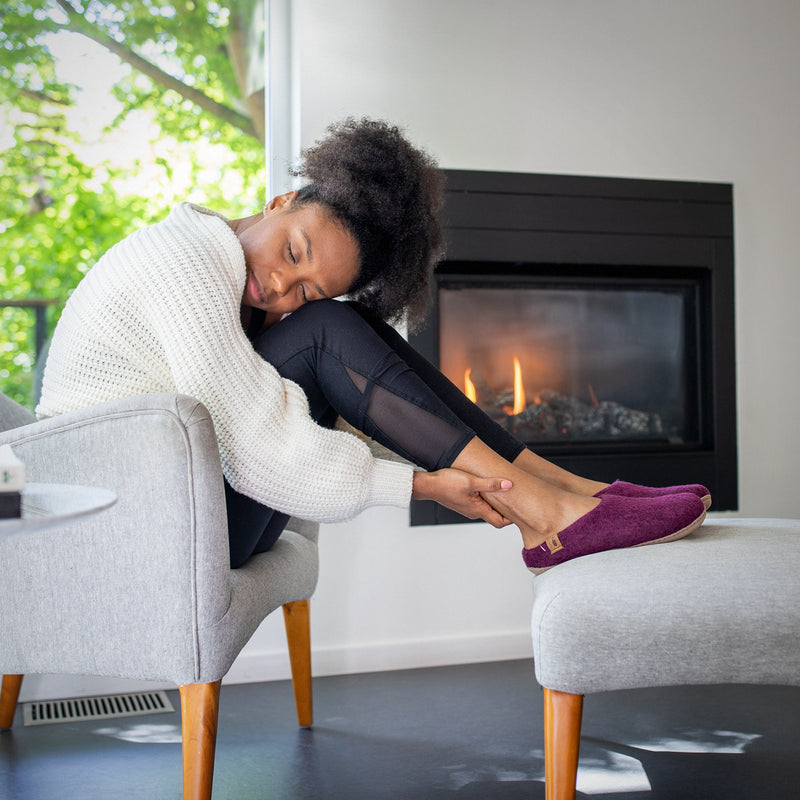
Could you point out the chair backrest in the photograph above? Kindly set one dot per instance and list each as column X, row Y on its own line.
column 13, row 415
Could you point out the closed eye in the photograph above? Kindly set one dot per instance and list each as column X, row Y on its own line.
column 291, row 254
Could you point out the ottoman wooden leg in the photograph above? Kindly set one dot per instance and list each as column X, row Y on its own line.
column 562, row 737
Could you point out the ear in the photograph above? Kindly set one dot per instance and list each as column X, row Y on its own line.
column 280, row 201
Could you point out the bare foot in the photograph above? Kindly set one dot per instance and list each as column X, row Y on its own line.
column 543, row 511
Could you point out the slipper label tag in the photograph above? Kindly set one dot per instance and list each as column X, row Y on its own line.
column 554, row 543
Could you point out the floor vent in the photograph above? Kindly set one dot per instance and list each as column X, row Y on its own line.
column 79, row 709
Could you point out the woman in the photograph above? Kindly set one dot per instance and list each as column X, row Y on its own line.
column 198, row 304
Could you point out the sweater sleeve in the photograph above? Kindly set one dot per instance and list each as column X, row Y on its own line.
column 188, row 283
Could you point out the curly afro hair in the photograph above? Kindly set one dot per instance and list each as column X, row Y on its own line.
column 386, row 194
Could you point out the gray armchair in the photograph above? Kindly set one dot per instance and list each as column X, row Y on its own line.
column 144, row 589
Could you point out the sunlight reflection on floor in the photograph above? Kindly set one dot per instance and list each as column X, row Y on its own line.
column 612, row 773
column 699, row 741
column 143, row 734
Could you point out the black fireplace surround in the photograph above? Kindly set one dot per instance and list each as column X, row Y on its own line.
column 587, row 257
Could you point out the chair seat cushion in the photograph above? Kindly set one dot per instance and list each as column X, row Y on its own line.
column 721, row 606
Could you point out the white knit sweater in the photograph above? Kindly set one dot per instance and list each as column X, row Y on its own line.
column 159, row 312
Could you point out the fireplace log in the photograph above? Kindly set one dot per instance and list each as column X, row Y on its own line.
column 558, row 416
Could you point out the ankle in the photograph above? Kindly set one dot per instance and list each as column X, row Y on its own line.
column 530, row 537
column 563, row 511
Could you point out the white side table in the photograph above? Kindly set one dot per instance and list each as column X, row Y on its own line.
column 49, row 505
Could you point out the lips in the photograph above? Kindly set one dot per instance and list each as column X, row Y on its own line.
column 255, row 289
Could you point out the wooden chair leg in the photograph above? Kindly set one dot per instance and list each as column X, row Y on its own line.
column 9, row 694
column 199, row 716
column 562, row 737
column 298, row 637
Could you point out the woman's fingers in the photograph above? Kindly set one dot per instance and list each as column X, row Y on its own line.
column 494, row 484
column 486, row 511
column 490, row 513
column 494, row 518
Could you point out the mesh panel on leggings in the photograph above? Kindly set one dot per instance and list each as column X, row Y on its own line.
column 411, row 431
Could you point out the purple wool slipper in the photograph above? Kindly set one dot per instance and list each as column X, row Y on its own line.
column 616, row 523
column 625, row 489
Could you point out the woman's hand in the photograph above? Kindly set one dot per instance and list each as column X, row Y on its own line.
column 462, row 492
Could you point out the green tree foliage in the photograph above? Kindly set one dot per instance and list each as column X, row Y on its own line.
column 62, row 205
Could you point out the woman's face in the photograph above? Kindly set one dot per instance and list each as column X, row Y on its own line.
column 296, row 255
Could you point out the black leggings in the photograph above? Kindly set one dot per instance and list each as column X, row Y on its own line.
column 352, row 364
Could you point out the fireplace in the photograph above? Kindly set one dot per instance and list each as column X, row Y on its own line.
column 594, row 318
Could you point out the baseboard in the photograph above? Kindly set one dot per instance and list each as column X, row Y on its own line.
column 257, row 666
column 383, row 657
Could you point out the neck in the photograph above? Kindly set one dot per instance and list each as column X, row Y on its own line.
column 240, row 225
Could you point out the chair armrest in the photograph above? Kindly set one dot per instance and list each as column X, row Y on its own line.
column 61, row 469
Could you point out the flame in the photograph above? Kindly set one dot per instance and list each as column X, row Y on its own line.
column 469, row 387
column 519, row 392
column 519, row 389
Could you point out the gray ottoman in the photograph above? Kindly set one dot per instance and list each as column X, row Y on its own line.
column 721, row 606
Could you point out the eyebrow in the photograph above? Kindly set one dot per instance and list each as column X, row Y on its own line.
column 309, row 254
column 310, row 257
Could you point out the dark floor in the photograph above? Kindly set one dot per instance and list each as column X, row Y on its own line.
column 469, row 732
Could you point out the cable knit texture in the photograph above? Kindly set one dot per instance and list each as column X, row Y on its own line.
column 159, row 312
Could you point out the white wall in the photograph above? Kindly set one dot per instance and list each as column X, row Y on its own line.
column 681, row 90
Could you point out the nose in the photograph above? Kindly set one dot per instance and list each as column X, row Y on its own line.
column 279, row 283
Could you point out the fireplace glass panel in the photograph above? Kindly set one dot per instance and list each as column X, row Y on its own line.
column 576, row 364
